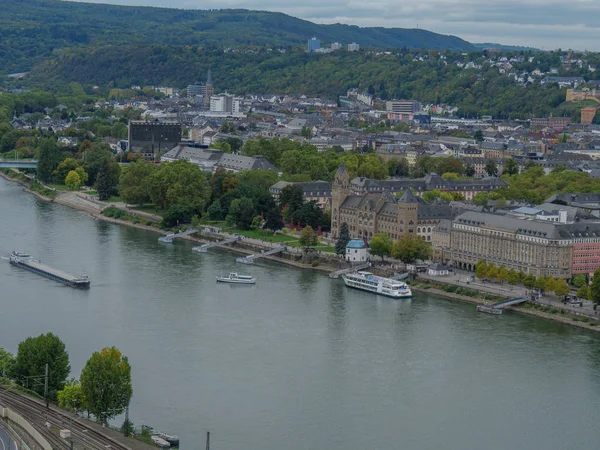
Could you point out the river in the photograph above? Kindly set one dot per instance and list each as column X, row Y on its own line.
column 297, row 361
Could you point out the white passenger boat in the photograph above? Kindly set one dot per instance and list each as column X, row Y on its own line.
column 237, row 279
column 366, row 281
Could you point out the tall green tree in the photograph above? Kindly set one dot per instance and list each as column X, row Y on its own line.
column 308, row 238
column 343, row 239
column 579, row 280
column 106, row 383
column 133, row 183
column 242, row 211
column 561, row 288
column 73, row 180
column 71, row 396
column 410, row 248
column 511, row 167
column 48, row 159
column 105, row 182
column 594, row 294
column 32, row 356
column 177, row 182
column 7, row 364
column 481, row 269
column 381, row 245
column 491, row 168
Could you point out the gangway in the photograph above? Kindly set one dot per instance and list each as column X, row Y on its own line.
column 496, row 308
column 337, row 273
column 169, row 237
column 251, row 258
column 204, row 247
column 401, row 276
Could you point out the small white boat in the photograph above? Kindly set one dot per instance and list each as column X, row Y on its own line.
column 236, row 279
column 160, row 442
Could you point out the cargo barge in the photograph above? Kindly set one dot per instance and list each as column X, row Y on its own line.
column 33, row 265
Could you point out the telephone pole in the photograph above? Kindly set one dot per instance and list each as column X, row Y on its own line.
column 208, row 440
column 46, row 387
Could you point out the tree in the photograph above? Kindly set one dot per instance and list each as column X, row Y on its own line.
column 63, row 169
column 579, row 280
column 48, row 159
column 33, row 355
column 73, row 180
column 491, row 168
column 291, row 198
column 177, row 182
column 529, row 281
column 242, row 211
column 502, row 274
column 478, row 135
column 106, row 383
column 83, row 176
column 492, row 272
column 215, row 211
column 470, row 170
column 133, row 182
column 513, row 277
column 561, row 287
column 381, row 245
column 7, row 364
column 583, row 292
column 481, row 269
column 306, row 132
column 104, row 184
column 410, row 248
column 343, row 239
column 71, row 396
column 511, row 167
column 595, row 287
column 308, row 238
column 540, row 284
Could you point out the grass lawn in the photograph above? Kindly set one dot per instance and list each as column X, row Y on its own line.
column 264, row 235
column 150, row 209
column 114, row 198
column 320, row 247
column 60, row 187
column 92, row 192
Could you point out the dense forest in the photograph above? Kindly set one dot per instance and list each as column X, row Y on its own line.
column 475, row 92
column 31, row 30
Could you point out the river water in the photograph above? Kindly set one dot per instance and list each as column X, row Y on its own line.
column 297, row 361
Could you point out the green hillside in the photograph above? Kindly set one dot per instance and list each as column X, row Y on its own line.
column 31, row 30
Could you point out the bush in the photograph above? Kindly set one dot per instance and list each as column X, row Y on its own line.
column 315, row 262
column 113, row 212
column 180, row 213
column 135, row 220
column 148, row 223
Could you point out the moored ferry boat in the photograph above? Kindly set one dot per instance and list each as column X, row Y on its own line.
column 33, row 265
column 237, row 279
column 366, row 281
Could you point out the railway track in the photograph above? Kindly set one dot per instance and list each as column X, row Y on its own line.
column 38, row 415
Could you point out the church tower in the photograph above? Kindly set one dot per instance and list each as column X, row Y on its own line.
column 408, row 213
column 209, row 90
column 340, row 190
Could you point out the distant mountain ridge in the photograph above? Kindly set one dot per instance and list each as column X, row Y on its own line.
column 31, row 30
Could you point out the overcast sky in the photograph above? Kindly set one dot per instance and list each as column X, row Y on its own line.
column 546, row 24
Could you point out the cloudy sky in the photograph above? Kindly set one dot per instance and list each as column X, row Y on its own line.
column 546, row 24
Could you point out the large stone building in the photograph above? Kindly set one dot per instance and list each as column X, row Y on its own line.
column 379, row 212
column 537, row 247
column 467, row 188
column 153, row 138
column 317, row 191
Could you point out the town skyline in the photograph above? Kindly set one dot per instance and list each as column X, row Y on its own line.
column 508, row 23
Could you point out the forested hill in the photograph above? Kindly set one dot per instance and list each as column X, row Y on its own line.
column 30, row 30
